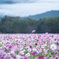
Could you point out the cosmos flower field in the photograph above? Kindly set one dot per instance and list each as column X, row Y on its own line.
column 29, row 46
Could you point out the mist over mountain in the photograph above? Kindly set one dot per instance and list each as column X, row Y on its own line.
column 27, row 1
column 53, row 13
column 5, row 1
column 15, row 1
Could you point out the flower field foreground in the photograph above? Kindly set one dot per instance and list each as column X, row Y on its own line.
column 29, row 46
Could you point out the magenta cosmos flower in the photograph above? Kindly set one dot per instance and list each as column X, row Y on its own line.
column 39, row 57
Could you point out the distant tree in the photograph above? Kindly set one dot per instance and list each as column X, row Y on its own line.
column 31, row 24
column 50, row 25
column 6, row 22
column 17, row 25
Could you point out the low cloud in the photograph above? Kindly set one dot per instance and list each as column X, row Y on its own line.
column 29, row 1
column 27, row 9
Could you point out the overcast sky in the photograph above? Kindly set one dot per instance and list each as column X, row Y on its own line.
column 53, row 1
column 32, row 1
column 28, row 7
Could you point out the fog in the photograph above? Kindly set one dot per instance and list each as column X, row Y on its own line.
column 26, row 8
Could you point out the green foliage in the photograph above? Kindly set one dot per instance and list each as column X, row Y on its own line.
column 17, row 52
column 26, row 25
column 7, row 51
column 17, row 25
column 50, row 25
column 0, row 45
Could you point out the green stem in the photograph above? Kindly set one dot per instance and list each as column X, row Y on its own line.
column 33, row 57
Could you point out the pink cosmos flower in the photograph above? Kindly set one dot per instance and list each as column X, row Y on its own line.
column 39, row 57
column 10, row 46
column 40, row 50
column 30, row 46
column 36, row 44
column 56, row 57
column 24, row 57
column 33, row 31
column 5, row 49
column 51, row 58
column 45, row 58
column 33, row 53
column 14, row 56
column 2, row 54
column 8, row 56
column 58, row 50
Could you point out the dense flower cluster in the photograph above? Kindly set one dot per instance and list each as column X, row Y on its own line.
column 29, row 46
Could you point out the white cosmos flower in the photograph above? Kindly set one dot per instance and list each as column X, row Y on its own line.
column 18, row 57
column 34, row 49
column 0, row 48
column 12, row 52
column 29, row 50
column 22, row 52
column 53, row 47
column 0, row 42
column 28, row 54
column 21, row 48
column 45, row 51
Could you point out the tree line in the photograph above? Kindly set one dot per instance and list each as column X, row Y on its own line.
column 26, row 25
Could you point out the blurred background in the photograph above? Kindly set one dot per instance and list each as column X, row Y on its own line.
column 24, row 16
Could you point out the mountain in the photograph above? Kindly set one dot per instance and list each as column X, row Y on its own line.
column 15, row 1
column 53, row 13
column 6, row 2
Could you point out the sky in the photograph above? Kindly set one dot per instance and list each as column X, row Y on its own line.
column 25, row 8
column 30, row 1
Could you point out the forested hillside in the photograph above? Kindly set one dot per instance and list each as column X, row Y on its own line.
column 26, row 25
